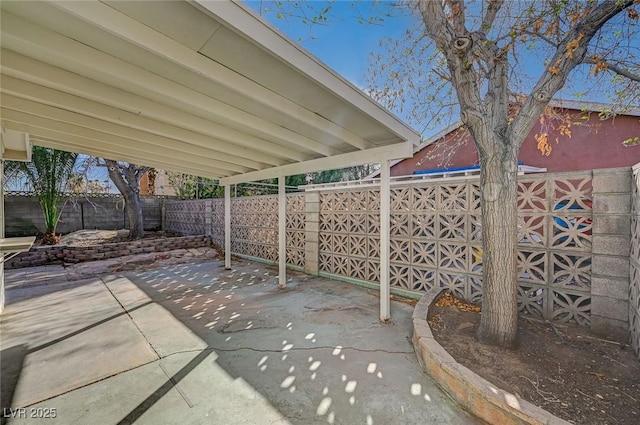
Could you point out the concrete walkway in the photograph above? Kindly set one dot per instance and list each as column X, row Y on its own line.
column 195, row 344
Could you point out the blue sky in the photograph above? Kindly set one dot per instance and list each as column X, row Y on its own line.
column 343, row 43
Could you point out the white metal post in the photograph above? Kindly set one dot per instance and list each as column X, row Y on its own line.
column 227, row 227
column 282, row 233
column 385, row 218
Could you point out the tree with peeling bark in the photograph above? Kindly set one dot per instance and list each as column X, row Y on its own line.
column 478, row 67
column 127, row 177
column 496, row 64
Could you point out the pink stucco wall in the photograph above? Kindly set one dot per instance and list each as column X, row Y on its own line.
column 593, row 144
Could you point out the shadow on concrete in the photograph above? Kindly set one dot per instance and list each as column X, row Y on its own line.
column 11, row 361
column 86, row 328
column 136, row 413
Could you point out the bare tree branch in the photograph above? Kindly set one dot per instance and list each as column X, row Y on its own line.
column 614, row 68
column 457, row 15
column 571, row 52
column 439, row 28
column 541, row 37
column 457, row 49
column 490, row 16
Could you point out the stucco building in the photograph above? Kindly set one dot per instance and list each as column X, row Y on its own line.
column 591, row 141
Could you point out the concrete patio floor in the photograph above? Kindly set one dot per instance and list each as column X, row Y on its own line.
column 195, row 344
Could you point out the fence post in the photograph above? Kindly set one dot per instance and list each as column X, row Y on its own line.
column 610, row 252
column 163, row 214
column 311, row 232
column 208, row 217
column 634, row 260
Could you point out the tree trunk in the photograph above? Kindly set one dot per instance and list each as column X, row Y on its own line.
column 127, row 180
column 499, row 320
column 133, row 208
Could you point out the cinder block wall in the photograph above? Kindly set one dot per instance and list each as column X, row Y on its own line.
column 610, row 251
column 634, row 263
column 24, row 216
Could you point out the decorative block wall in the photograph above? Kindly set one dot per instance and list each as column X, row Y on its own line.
column 436, row 240
column 574, row 236
column 349, row 242
column 296, row 212
column 254, row 224
column 555, row 241
column 186, row 217
column 217, row 221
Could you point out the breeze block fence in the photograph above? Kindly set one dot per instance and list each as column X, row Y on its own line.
column 574, row 240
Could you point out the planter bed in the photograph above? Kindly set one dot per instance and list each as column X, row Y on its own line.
column 58, row 254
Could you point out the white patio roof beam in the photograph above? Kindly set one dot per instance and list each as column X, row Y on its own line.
column 95, row 147
column 177, row 167
column 161, row 142
column 114, row 141
column 111, row 145
column 68, row 102
column 388, row 152
column 40, row 74
column 66, row 108
column 116, row 23
column 45, row 45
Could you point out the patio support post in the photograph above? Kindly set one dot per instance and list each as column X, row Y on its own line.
column 227, row 227
column 385, row 206
column 282, row 233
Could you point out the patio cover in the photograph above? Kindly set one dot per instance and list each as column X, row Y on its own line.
column 206, row 88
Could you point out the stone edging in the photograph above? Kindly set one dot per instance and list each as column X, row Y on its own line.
column 475, row 394
column 57, row 254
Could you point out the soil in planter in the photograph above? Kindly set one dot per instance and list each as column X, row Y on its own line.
column 562, row 368
column 98, row 237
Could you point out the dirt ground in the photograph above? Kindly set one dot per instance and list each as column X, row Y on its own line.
column 559, row 367
column 137, row 262
column 96, row 237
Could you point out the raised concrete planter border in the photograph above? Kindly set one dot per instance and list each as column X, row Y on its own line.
column 477, row 395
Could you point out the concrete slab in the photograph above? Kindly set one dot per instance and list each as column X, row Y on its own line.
column 67, row 338
column 223, row 398
column 233, row 349
column 35, row 276
column 145, row 395
column 315, row 349
column 128, row 295
column 106, row 402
